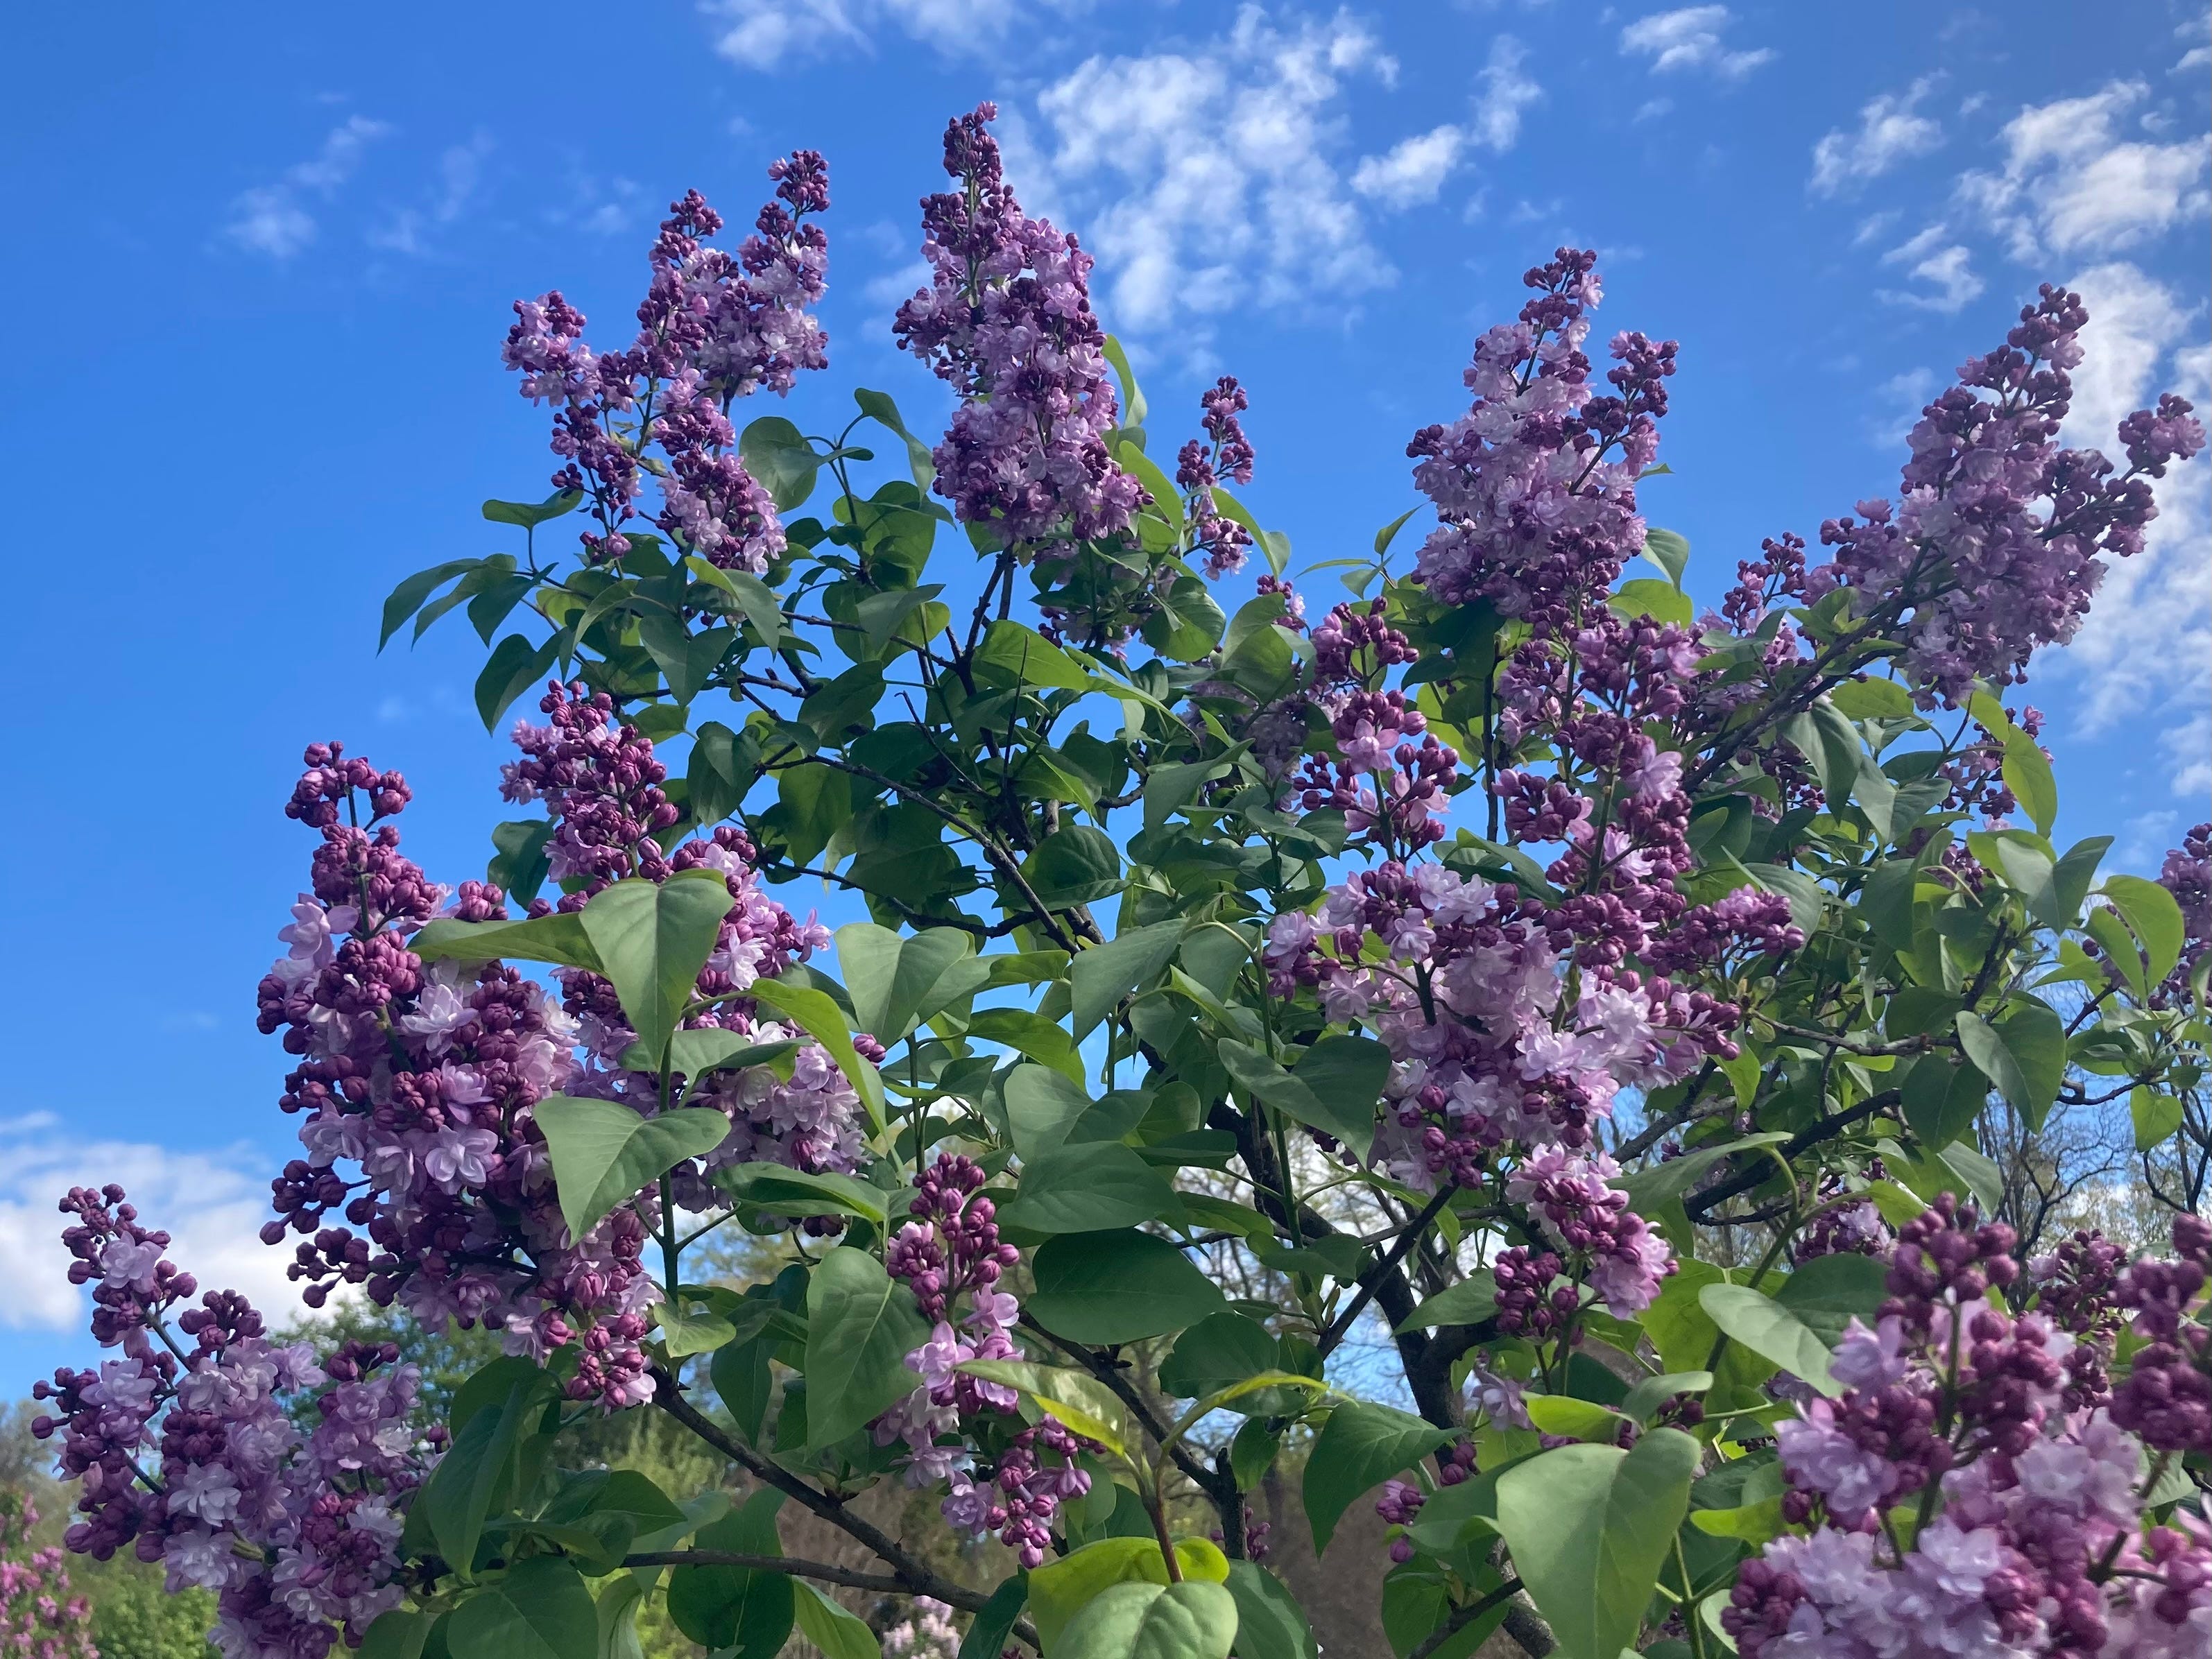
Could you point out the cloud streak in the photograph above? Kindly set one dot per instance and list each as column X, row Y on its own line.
column 273, row 219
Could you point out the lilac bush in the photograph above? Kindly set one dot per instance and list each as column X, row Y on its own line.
column 1595, row 1006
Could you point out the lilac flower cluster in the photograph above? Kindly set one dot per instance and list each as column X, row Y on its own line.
column 712, row 327
column 1007, row 321
column 2039, row 1544
column 1199, row 469
column 951, row 1249
column 39, row 1619
column 1993, row 547
column 2187, row 874
column 1401, row 1504
column 425, row 1076
column 1535, row 485
column 927, row 1632
column 189, row 1455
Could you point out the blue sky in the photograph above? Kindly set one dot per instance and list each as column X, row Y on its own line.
column 270, row 253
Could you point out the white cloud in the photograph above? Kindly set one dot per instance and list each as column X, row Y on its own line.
column 2145, row 650
column 2071, row 184
column 1890, row 132
column 2198, row 55
column 766, row 34
column 1503, row 92
column 1204, row 180
column 1689, row 38
column 1414, row 171
column 893, row 287
column 460, row 170
column 1944, row 266
column 212, row 1203
column 270, row 219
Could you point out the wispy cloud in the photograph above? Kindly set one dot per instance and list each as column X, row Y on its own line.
column 1945, row 265
column 2146, row 647
column 767, row 34
column 2072, row 184
column 459, row 174
column 273, row 219
column 1207, row 180
column 1890, row 130
column 1689, row 38
column 212, row 1202
column 1414, row 169
column 1503, row 90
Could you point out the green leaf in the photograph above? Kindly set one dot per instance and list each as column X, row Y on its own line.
column 2150, row 911
column 1672, row 1181
column 1943, row 1099
column 2121, row 948
column 2023, row 1054
column 1101, row 975
column 604, row 1153
column 476, row 1469
column 830, row 1628
column 1388, row 533
column 778, row 455
column 1575, row 1419
column 1886, row 902
column 816, row 1014
column 1360, row 1447
column 541, row 1608
column 995, row 1625
column 1087, row 1188
column 1118, row 1287
column 1059, row 1589
column 860, row 1326
column 1075, row 864
column 1133, row 399
column 528, row 514
column 1076, row 1398
column 794, row 1192
column 1262, row 1078
column 1976, row 1174
column 1018, row 654
column 756, row 600
column 1345, row 1074
column 2027, row 775
column 652, row 939
column 558, row 938
column 744, row 1613
column 1770, row 1331
column 894, row 981
column 407, row 598
column 1873, row 700
column 1669, row 551
column 1042, row 1040
column 1270, row 1624
column 695, row 1054
column 398, row 1634
column 515, row 666
column 2156, row 1117
column 1193, row 1619
column 521, row 865
column 1590, row 1527
column 1647, row 596
column 1826, row 1293
column 1221, row 1349
column 1470, row 1302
